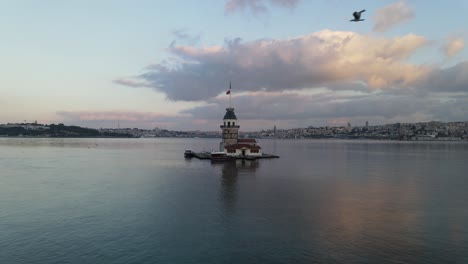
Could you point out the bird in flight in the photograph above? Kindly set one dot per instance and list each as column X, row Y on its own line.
column 357, row 16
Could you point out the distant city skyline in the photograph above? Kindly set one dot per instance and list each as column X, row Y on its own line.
column 293, row 63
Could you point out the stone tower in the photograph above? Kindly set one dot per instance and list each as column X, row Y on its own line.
column 230, row 129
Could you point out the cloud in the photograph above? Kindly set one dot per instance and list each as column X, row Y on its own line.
column 184, row 36
column 307, row 61
column 324, row 105
column 453, row 45
column 453, row 79
column 260, row 110
column 455, row 109
column 442, row 95
column 392, row 15
column 112, row 115
column 131, row 83
column 122, row 118
column 257, row 6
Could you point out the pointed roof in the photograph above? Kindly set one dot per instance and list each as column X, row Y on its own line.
column 230, row 114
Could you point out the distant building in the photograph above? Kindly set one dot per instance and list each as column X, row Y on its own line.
column 231, row 144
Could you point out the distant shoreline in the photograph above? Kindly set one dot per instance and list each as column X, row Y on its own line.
column 269, row 138
column 424, row 131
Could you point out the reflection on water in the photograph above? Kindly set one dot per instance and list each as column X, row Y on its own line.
column 365, row 218
column 230, row 172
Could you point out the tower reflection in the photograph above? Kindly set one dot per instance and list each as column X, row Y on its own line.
column 229, row 189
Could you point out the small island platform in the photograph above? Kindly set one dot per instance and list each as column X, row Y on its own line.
column 232, row 147
column 207, row 156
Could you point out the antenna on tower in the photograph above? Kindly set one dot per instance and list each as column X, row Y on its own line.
column 229, row 92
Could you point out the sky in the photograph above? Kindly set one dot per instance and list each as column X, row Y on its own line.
column 291, row 63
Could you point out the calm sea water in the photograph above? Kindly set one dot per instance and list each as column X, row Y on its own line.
column 323, row 201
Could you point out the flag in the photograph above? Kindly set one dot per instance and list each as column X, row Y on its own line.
column 229, row 91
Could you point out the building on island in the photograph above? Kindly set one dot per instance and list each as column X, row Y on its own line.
column 232, row 145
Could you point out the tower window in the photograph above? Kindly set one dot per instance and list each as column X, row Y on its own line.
column 233, row 123
column 229, row 124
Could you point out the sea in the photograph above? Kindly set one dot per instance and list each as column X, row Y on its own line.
column 323, row 201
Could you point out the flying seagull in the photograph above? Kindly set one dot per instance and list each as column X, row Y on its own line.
column 357, row 16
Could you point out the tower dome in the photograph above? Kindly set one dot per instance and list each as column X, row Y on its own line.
column 230, row 114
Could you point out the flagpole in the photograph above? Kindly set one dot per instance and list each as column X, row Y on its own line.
column 230, row 94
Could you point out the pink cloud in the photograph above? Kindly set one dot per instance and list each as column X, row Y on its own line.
column 392, row 15
column 453, row 45
column 296, row 63
column 200, row 122
column 114, row 116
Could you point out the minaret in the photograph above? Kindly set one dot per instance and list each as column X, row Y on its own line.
column 230, row 129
